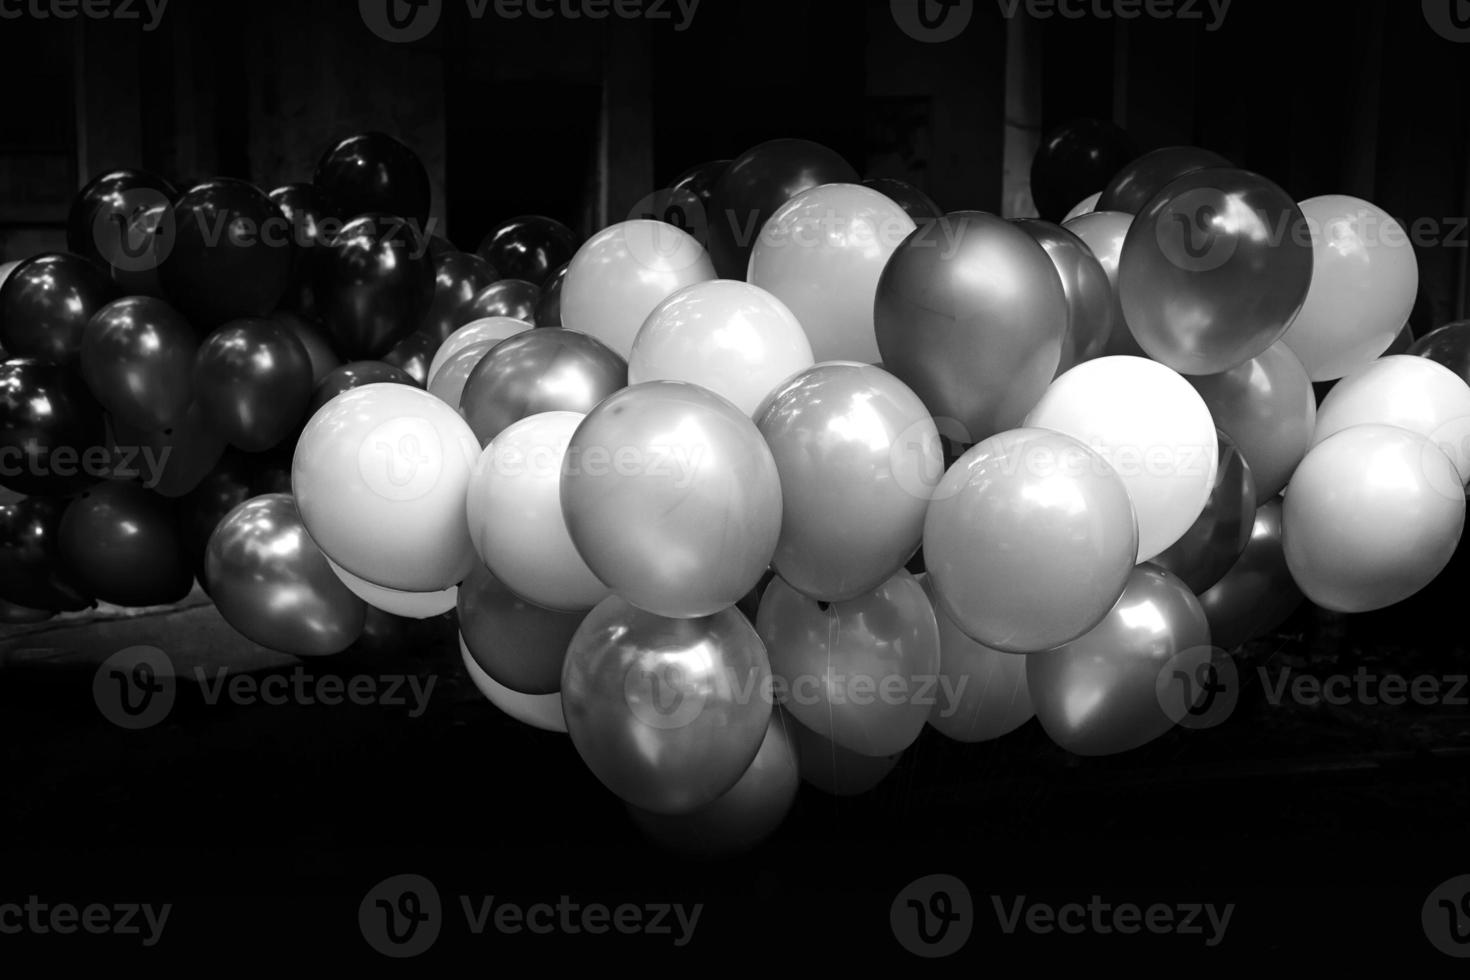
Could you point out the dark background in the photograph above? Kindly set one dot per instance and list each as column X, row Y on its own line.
column 266, row 826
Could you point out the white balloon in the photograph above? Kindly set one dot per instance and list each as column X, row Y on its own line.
column 414, row 605
column 1085, row 206
column 541, row 711
column 491, row 328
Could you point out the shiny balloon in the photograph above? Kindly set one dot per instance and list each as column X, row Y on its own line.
column 489, row 330
column 311, row 226
column 518, row 643
column 1085, row 206
column 859, row 672
column 51, row 429
column 355, row 374
column 528, row 247
column 1205, row 552
column 734, row 338
column 1448, row 345
column 409, row 605
column 542, row 370
column 1371, row 516
column 1258, row 593
column 915, row 203
column 755, row 184
column 822, row 254
column 1104, row 233
column 376, row 285
column 254, row 382
column 313, row 337
column 1267, row 408
column 1136, row 182
column 700, row 181
column 548, row 307
column 121, row 544
column 672, row 498
column 137, row 357
column 45, row 304
column 1100, row 694
column 981, row 693
column 374, row 172
column 223, row 488
column 100, row 213
column 541, row 711
column 1213, row 270
column 171, row 461
column 972, row 315
column 271, row 582
column 858, row 457
column 32, row 572
column 1029, row 540
column 458, row 278
column 1091, row 303
column 514, row 298
column 667, row 713
column 412, row 355
column 1364, row 280
column 1075, row 159
column 225, row 253
column 831, row 768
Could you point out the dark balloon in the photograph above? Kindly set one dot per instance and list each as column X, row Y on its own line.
column 412, row 355
column 374, row 172
column 46, row 302
column 169, row 461
column 313, row 337
column 223, row 489
column 32, row 573
column 543, row 370
column 1258, row 593
column 355, row 374
column 102, row 224
column 515, row 298
column 548, row 310
column 519, row 644
column 310, row 224
column 758, row 182
column 700, row 180
column 1448, row 345
column 254, row 381
column 458, row 278
column 1216, row 539
column 122, row 543
column 528, row 247
column 52, row 437
column 225, row 254
column 377, row 284
column 1090, row 302
column 915, row 203
column 138, row 360
column 1137, row 182
column 1074, row 160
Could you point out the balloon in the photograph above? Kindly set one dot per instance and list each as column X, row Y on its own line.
column 982, row 693
column 1099, row 695
column 1205, row 552
column 307, row 216
column 171, row 462
column 915, row 203
column 32, row 573
column 544, row 370
column 699, row 183
column 492, row 329
column 448, row 384
column 45, row 304
column 667, row 713
column 1104, row 233
column 380, row 475
column 514, row 298
column 1448, row 345
column 1372, row 515
column 1267, row 408
column 352, row 375
column 411, row 605
column 223, row 488
column 1075, row 158
column 528, row 247
column 458, row 279
column 621, row 273
column 313, row 337
column 121, row 544
column 858, row 458
column 412, row 354
column 1091, row 305
column 374, row 172
column 514, row 512
column 225, row 253
column 758, row 182
column 1257, row 594
column 138, row 361
column 1364, row 279
column 548, row 307
column 520, row 644
column 376, row 285
column 732, row 337
column 822, row 253
column 1029, row 540
column 971, row 315
column 743, row 816
column 859, row 672
column 833, row 769
column 254, row 382
column 1213, row 270
column 100, row 213
column 672, row 498
column 273, row 584
column 51, row 429
column 1151, row 427
column 1136, row 183
column 6, row 268
column 14, row 615
column 1085, row 206
column 541, row 711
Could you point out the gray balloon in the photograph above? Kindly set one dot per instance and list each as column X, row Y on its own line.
column 544, row 370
